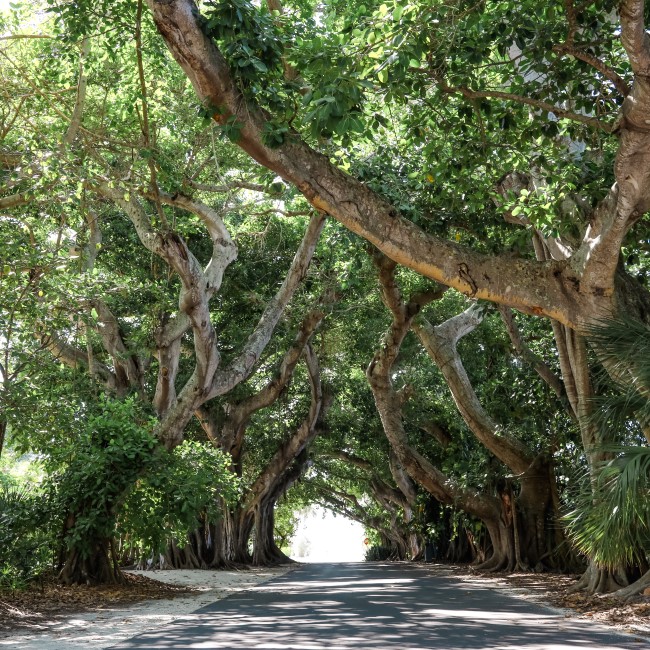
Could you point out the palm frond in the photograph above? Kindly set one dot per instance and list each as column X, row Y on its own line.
column 610, row 521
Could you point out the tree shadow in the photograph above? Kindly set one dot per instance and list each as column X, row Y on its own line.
column 378, row 606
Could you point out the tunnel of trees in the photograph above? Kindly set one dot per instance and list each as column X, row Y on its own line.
column 389, row 257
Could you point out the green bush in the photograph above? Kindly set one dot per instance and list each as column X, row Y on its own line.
column 378, row 554
column 25, row 541
column 178, row 489
column 90, row 477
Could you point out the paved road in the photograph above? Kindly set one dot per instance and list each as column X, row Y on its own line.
column 380, row 606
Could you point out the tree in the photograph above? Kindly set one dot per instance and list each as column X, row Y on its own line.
column 94, row 316
column 578, row 286
column 479, row 152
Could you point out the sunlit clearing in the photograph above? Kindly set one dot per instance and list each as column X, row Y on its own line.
column 323, row 536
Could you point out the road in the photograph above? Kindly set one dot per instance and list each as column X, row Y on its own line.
column 381, row 606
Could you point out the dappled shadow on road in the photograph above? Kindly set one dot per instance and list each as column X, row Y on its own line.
column 367, row 606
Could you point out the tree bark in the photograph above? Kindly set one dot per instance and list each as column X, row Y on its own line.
column 98, row 565
column 531, row 512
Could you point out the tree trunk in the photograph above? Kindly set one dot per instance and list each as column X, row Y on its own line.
column 230, row 539
column 574, row 291
column 572, row 353
column 629, row 592
column 3, row 433
column 238, row 528
column 98, row 566
column 530, row 515
column 265, row 550
column 503, row 547
column 597, row 580
column 389, row 406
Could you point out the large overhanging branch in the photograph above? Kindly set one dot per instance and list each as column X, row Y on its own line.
column 382, row 491
column 390, row 497
column 550, row 288
column 389, row 406
column 16, row 200
column 352, row 459
column 402, row 479
column 440, row 343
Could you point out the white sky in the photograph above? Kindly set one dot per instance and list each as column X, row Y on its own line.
column 325, row 537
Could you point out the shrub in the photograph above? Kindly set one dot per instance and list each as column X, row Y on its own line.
column 25, row 541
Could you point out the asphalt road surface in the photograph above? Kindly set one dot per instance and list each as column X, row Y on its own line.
column 381, row 606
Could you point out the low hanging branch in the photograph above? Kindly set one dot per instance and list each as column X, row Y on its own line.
column 440, row 343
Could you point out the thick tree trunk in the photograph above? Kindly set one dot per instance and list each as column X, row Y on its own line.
column 503, row 547
column 572, row 353
column 99, row 565
column 265, row 550
column 238, row 530
column 533, row 518
column 407, row 488
column 224, row 547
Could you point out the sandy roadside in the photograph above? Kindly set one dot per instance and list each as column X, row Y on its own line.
column 108, row 626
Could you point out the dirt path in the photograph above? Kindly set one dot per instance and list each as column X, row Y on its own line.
column 52, row 620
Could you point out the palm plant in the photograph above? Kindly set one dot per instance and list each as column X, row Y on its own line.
column 610, row 521
column 25, row 549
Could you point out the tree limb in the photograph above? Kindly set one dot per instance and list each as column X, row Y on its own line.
column 440, row 343
column 238, row 414
column 497, row 278
column 241, row 367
